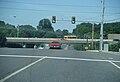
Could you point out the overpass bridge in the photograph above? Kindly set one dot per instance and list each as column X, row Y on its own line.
column 48, row 40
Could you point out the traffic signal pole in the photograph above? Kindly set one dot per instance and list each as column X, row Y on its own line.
column 101, row 29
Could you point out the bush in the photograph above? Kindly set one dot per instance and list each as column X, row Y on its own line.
column 114, row 47
column 80, row 47
column 14, row 45
column 2, row 41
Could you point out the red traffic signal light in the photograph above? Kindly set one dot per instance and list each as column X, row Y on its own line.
column 73, row 20
column 53, row 19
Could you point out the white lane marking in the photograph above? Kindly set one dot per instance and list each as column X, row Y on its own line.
column 16, row 72
column 114, row 64
column 62, row 58
column 65, row 58
column 81, row 59
column 21, row 56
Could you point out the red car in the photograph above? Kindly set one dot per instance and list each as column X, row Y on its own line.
column 55, row 44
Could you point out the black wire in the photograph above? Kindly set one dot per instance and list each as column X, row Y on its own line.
column 45, row 10
column 54, row 10
column 55, row 4
column 48, row 4
column 112, row 20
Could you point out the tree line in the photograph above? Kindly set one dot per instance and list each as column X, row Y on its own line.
column 84, row 30
column 43, row 30
column 46, row 30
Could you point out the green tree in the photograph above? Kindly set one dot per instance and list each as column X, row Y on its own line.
column 7, row 29
column 50, row 35
column 114, row 47
column 80, row 47
column 112, row 28
column 65, row 32
column 59, row 33
column 2, row 23
column 40, row 33
column 82, row 29
column 86, row 28
column 26, row 31
column 2, row 39
column 10, row 30
column 45, row 25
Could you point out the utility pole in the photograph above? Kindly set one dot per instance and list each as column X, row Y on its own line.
column 101, row 29
column 93, row 35
column 18, row 31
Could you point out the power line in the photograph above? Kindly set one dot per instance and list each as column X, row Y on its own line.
column 67, row 5
column 53, row 10
column 46, row 10
column 48, row 4
column 112, row 20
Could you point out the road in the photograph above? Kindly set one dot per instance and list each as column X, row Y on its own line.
column 34, row 65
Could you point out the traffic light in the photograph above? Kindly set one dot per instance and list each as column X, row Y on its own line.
column 53, row 19
column 73, row 20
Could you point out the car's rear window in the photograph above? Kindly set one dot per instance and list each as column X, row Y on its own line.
column 55, row 42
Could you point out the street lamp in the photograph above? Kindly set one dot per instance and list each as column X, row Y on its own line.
column 17, row 34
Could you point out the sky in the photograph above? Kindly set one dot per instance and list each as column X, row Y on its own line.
column 30, row 12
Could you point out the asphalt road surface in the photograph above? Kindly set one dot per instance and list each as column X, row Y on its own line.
column 54, row 65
